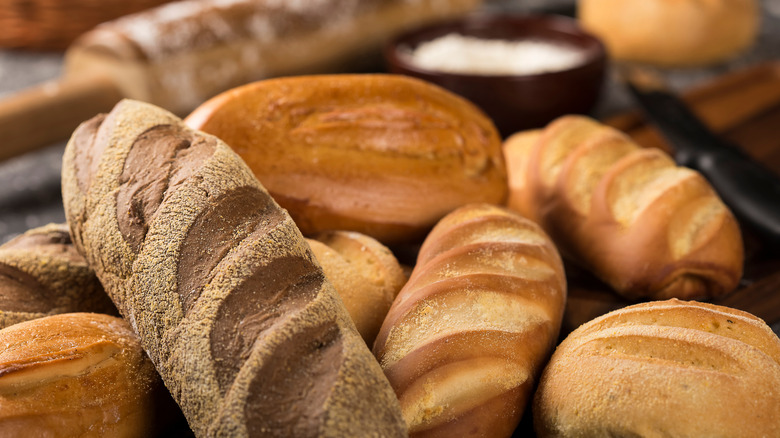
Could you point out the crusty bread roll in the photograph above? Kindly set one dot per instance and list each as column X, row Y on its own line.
column 41, row 274
column 383, row 155
column 183, row 53
column 672, row 32
column 663, row 369
column 366, row 275
column 643, row 225
column 78, row 374
column 225, row 294
column 468, row 334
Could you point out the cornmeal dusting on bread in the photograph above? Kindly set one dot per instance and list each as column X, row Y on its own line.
column 222, row 289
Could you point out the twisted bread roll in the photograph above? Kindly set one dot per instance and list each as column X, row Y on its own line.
column 673, row 368
column 41, row 274
column 365, row 274
column 77, row 374
column 223, row 291
column 355, row 152
column 643, row 225
column 467, row 335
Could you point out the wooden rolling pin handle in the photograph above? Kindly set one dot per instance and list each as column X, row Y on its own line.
column 47, row 113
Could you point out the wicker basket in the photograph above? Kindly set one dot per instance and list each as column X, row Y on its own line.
column 54, row 24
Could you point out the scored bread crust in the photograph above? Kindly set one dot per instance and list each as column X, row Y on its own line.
column 468, row 334
column 78, row 374
column 219, row 284
column 648, row 228
column 384, row 155
column 670, row 368
column 42, row 273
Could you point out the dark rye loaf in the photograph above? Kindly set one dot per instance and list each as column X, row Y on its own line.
column 226, row 296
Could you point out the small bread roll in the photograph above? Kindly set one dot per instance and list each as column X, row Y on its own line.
column 672, row 32
column 366, row 275
column 77, row 374
column 663, row 369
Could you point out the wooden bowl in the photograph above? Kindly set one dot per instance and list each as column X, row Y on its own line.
column 514, row 102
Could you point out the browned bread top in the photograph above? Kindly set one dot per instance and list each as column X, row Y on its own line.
column 77, row 374
column 383, row 155
column 644, row 225
column 669, row 368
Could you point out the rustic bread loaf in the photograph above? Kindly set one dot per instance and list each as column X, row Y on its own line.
column 468, row 334
column 672, row 32
column 671, row 368
column 78, row 374
column 383, row 155
column 225, row 294
column 642, row 224
column 41, row 274
column 183, row 53
column 366, row 275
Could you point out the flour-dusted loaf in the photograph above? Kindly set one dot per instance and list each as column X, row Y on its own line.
column 645, row 226
column 469, row 333
column 225, row 294
column 78, row 375
column 663, row 369
column 41, row 274
column 365, row 273
column 383, row 155
column 185, row 52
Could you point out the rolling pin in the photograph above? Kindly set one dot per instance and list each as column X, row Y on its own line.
column 180, row 54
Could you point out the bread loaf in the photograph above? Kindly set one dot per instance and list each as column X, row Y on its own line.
column 671, row 368
column 672, row 32
column 643, row 225
column 366, row 275
column 183, row 53
column 468, row 334
column 382, row 155
column 41, row 274
column 78, row 374
column 224, row 292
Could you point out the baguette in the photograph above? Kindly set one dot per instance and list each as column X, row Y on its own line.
column 663, row 369
column 78, row 374
column 41, row 274
column 366, row 275
column 643, row 225
column 225, row 294
column 468, row 334
column 383, row 155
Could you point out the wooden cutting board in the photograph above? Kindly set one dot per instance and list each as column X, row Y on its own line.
column 744, row 107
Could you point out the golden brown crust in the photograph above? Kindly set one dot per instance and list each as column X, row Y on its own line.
column 672, row 32
column 643, row 225
column 77, row 374
column 383, row 155
column 41, row 274
column 219, row 284
column 468, row 334
column 671, row 368
column 364, row 272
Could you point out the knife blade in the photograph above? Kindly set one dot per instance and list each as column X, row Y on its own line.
column 751, row 190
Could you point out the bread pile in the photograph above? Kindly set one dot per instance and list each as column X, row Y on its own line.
column 261, row 322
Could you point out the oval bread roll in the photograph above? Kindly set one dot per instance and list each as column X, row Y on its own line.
column 383, row 155
column 77, row 374
column 642, row 224
column 671, row 368
column 672, row 32
column 468, row 334
column 364, row 272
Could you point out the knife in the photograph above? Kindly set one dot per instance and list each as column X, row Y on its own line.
column 751, row 190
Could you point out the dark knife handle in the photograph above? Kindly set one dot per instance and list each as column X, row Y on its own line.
column 748, row 188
